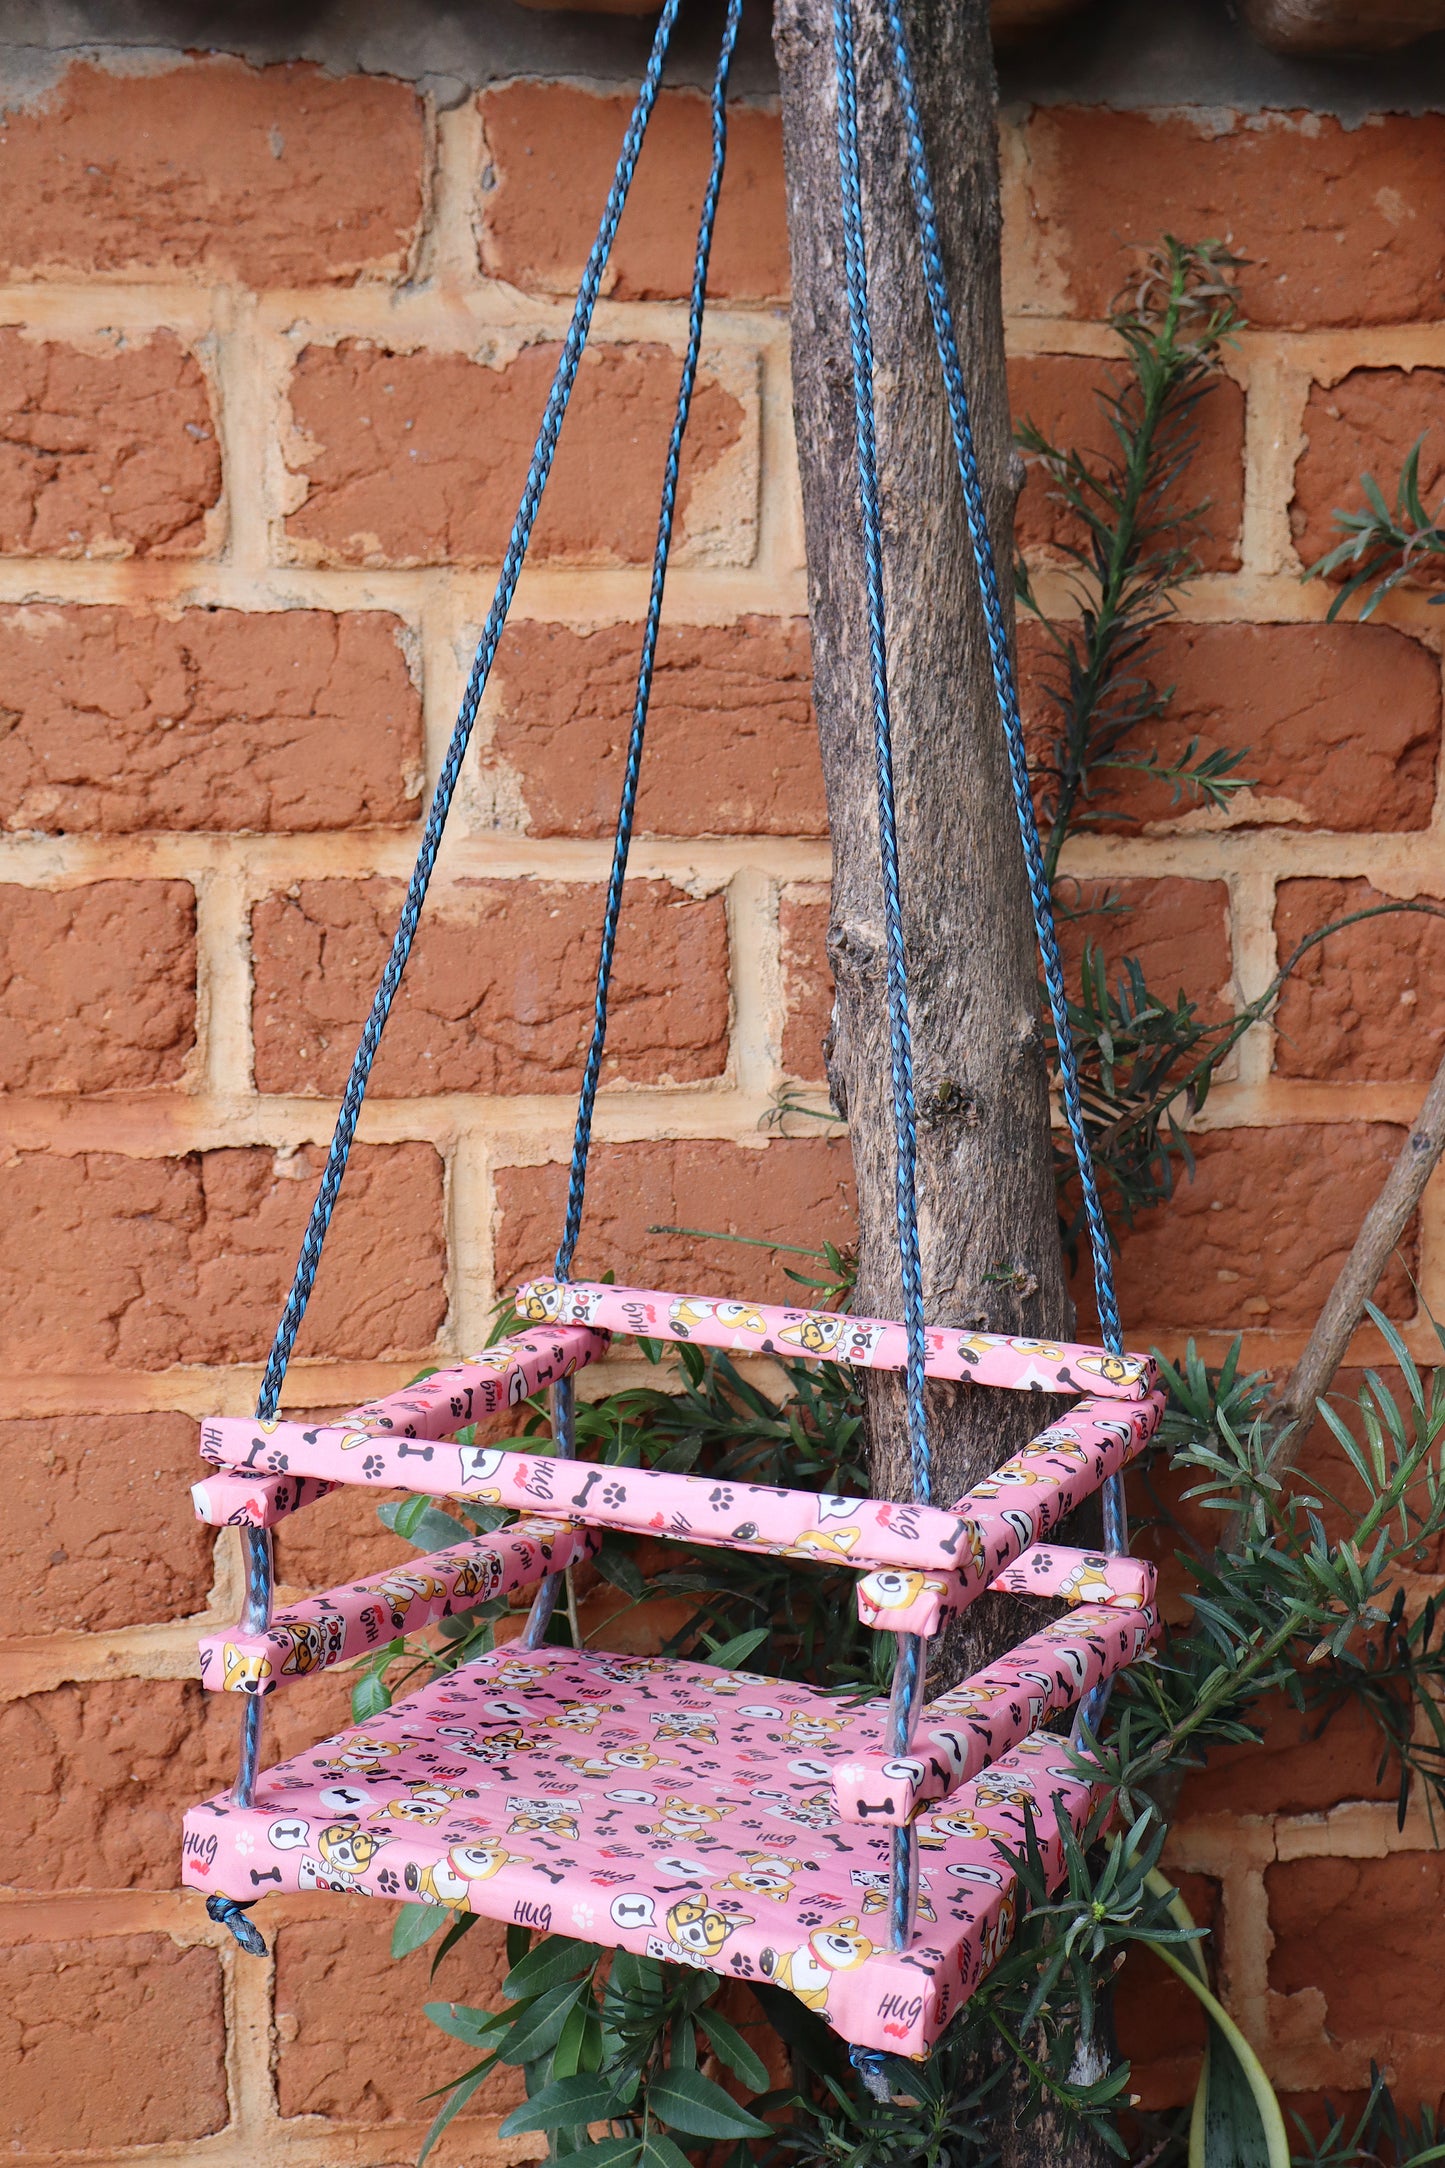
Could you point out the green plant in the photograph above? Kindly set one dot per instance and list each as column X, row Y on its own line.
column 1385, row 548
column 1137, row 550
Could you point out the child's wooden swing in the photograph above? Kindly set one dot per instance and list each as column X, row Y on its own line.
column 849, row 1853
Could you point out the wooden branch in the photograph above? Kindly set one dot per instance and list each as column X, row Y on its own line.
column 1384, row 1223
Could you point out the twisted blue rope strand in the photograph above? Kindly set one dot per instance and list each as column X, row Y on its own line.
column 1116, row 1523
column 626, row 811
column 909, row 1662
column 257, row 1549
column 538, row 471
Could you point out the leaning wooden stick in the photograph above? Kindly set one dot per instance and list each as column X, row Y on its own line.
column 1384, row 1223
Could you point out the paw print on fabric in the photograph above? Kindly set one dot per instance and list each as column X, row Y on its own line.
column 388, row 1882
column 373, row 1466
column 277, row 1462
column 720, row 1498
column 614, row 1494
column 244, row 1841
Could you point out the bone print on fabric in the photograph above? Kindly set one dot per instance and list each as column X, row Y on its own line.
column 353, row 1621
column 1045, row 1366
column 1021, row 1502
column 551, row 1787
column 228, row 1499
column 436, row 1407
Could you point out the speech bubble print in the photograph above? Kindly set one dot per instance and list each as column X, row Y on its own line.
column 288, row 1836
column 635, row 1911
column 835, row 1509
column 633, row 1799
column 762, row 1710
column 344, row 1798
column 678, row 1867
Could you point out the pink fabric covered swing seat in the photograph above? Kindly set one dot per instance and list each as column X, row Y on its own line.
column 701, row 1816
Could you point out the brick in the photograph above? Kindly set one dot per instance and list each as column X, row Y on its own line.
column 158, row 1261
column 1160, row 2023
column 1258, row 1236
column 1339, row 724
column 115, row 720
column 1059, row 393
column 553, row 148
column 1301, row 1764
column 98, row 1530
column 130, row 175
column 807, row 983
column 337, row 1539
column 109, row 2043
column 419, row 459
column 1366, row 1004
column 1178, row 930
column 1365, row 424
column 798, row 1190
column 106, row 450
column 1104, row 186
column 102, row 1772
column 731, row 744
column 1355, row 1933
column 97, row 986
column 498, row 993
column 354, row 2044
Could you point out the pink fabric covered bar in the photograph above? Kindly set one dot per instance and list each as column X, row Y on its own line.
column 976, row 1539
column 349, row 1622
column 228, row 1499
column 963, row 1731
column 923, row 1603
column 761, row 1328
column 262, row 1487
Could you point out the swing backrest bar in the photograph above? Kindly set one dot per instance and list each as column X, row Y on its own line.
column 867, row 1343
column 975, row 1539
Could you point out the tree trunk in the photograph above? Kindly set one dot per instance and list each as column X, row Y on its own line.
column 988, row 1224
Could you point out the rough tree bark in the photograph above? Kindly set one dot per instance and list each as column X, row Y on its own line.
column 988, row 1223
column 989, row 1229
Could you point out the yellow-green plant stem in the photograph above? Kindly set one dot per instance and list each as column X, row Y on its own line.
column 1191, row 1972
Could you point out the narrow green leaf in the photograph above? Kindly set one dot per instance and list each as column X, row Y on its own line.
column 457, row 2099
column 414, row 1925
column 659, row 2151
column 555, row 1958
column 730, row 2047
column 690, row 2102
column 564, row 2103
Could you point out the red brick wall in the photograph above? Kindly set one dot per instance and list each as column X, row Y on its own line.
column 273, row 343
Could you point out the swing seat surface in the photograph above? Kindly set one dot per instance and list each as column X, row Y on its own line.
column 658, row 1805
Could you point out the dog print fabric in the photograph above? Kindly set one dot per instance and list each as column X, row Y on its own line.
column 667, row 1807
column 353, row 1621
column 752, row 1328
column 976, row 1539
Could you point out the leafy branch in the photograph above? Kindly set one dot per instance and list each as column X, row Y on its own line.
column 1385, row 548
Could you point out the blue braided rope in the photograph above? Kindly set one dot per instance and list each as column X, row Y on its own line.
column 538, row 471
column 905, row 1114
column 627, row 808
column 908, row 1669
column 1005, row 684
column 1116, row 1522
column 258, row 1551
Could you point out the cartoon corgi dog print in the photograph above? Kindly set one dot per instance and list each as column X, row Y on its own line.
column 716, row 1843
